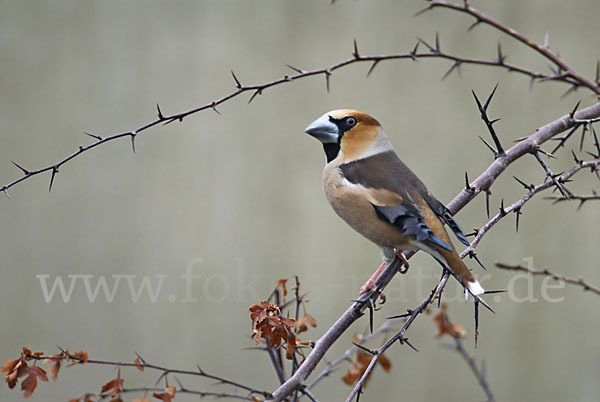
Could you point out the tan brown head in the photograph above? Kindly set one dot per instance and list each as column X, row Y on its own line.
column 349, row 135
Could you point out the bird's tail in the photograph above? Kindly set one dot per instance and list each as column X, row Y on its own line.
column 458, row 268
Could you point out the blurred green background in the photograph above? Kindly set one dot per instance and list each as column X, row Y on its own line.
column 236, row 199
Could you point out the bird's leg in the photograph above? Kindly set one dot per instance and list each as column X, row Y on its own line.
column 370, row 283
column 400, row 255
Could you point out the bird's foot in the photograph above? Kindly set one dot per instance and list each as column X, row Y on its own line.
column 370, row 286
column 400, row 254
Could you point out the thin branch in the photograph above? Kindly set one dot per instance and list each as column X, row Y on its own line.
column 257, row 89
column 477, row 371
column 145, row 365
column 399, row 336
column 331, row 366
column 545, row 272
column 581, row 198
column 564, row 70
column 517, row 205
column 180, row 390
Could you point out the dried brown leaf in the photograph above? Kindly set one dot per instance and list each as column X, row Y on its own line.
column 444, row 325
column 138, row 364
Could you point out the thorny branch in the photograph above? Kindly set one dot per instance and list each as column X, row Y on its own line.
column 331, row 366
column 410, row 316
column 478, row 372
column 141, row 364
column 545, row 272
column 566, row 74
column 570, row 197
column 563, row 70
column 517, row 205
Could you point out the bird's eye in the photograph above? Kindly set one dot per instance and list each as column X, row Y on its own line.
column 351, row 121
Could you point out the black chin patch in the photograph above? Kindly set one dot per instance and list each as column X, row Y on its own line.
column 331, row 151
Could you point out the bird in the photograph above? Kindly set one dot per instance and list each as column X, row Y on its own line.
column 371, row 189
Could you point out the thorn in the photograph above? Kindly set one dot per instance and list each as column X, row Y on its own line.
column 25, row 171
column 487, row 202
column 437, row 42
column 327, row 74
column 476, row 321
column 528, row 187
column 54, row 172
column 468, row 187
column 473, row 25
column 371, row 313
column 133, row 134
column 427, row 45
column 472, row 254
column 489, row 146
column 564, row 138
column 372, row 67
column 489, row 99
column 93, row 136
column 371, row 352
column 299, row 71
column 140, row 357
column 405, row 340
column 483, row 303
column 399, row 316
column 413, row 53
column 421, row 11
column 238, row 85
column 543, row 151
column 257, row 92
column 596, row 143
column 455, row 66
column 502, row 210
column 577, row 160
column 572, row 113
column 159, row 112
column 355, row 53
column 582, row 136
column 473, row 233
column 171, row 120
column 491, row 292
column 5, row 191
column 518, row 213
column 213, row 105
column 572, row 88
column 501, row 57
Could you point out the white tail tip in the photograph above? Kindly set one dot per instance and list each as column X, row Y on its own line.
column 475, row 288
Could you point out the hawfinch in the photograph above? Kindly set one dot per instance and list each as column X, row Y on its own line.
column 370, row 188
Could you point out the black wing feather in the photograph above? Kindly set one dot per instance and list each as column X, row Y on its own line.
column 445, row 215
column 410, row 220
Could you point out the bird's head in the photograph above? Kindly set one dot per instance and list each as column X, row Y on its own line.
column 348, row 133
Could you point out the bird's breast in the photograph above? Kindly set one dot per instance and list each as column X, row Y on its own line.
column 354, row 204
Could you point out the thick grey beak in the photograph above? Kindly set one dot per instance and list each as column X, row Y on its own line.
column 324, row 130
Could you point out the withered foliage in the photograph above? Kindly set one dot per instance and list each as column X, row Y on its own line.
column 444, row 326
column 360, row 362
column 269, row 323
column 20, row 367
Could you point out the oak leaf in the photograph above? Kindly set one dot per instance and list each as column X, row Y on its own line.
column 444, row 325
column 30, row 383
